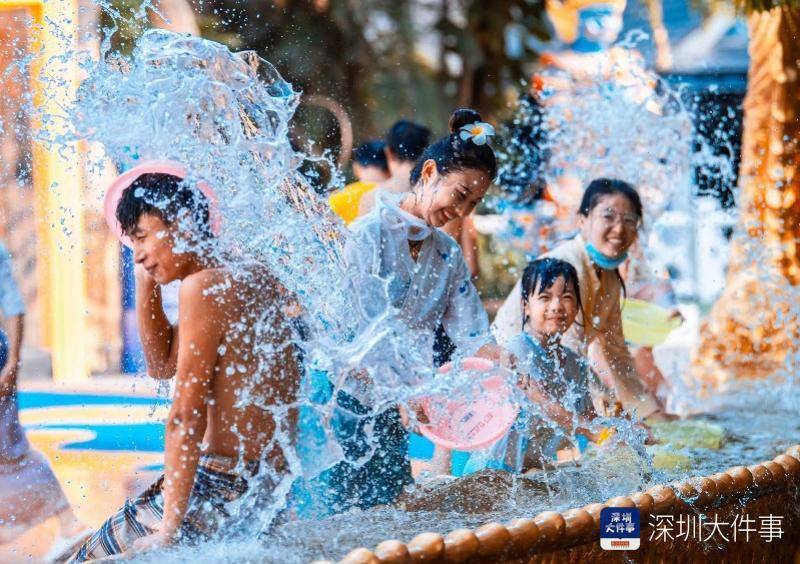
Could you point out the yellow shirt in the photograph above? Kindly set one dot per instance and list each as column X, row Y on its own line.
column 345, row 203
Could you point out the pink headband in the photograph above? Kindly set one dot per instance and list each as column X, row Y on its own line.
column 125, row 179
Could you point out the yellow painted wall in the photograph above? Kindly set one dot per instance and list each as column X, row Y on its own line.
column 60, row 257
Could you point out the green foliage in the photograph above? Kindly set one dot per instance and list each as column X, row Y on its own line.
column 380, row 59
column 123, row 21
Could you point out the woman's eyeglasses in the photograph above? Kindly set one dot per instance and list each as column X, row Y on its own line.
column 610, row 218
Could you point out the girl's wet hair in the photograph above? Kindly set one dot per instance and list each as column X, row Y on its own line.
column 600, row 187
column 451, row 153
column 542, row 273
column 407, row 140
column 371, row 153
column 165, row 196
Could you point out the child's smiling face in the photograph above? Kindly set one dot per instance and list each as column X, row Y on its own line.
column 550, row 312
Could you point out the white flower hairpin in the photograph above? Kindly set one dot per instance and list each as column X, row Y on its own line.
column 479, row 132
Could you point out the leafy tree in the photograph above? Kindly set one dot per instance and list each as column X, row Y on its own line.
column 383, row 59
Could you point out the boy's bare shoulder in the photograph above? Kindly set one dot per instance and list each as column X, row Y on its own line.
column 221, row 282
column 204, row 282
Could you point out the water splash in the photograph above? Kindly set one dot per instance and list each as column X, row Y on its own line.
column 227, row 117
column 606, row 117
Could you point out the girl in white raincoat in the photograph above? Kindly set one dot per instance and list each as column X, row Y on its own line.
column 398, row 251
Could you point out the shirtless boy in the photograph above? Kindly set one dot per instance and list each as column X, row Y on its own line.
column 213, row 445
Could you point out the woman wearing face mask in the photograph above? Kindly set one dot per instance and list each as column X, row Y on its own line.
column 609, row 218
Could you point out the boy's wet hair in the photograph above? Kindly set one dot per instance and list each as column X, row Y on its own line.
column 372, row 153
column 542, row 273
column 165, row 196
column 407, row 140
column 451, row 153
column 601, row 187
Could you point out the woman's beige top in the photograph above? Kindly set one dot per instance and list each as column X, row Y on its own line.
column 597, row 329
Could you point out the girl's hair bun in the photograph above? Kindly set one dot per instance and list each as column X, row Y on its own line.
column 452, row 153
column 462, row 117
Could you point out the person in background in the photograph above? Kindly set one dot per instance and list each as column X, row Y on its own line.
column 370, row 167
column 29, row 491
column 405, row 143
column 370, row 163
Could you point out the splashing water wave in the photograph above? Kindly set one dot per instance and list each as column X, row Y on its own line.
column 226, row 116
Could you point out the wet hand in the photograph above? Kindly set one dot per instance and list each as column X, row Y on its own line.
column 8, row 378
column 151, row 542
column 143, row 278
column 660, row 416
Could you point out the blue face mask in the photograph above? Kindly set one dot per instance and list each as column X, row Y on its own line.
column 604, row 262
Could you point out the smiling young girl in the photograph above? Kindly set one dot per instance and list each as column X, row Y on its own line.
column 558, row 383
column 610, row 215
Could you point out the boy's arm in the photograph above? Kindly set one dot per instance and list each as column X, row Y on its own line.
column 159, row 337
column 186, row 424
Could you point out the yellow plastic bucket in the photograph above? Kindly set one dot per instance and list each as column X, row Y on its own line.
column 646, row 324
